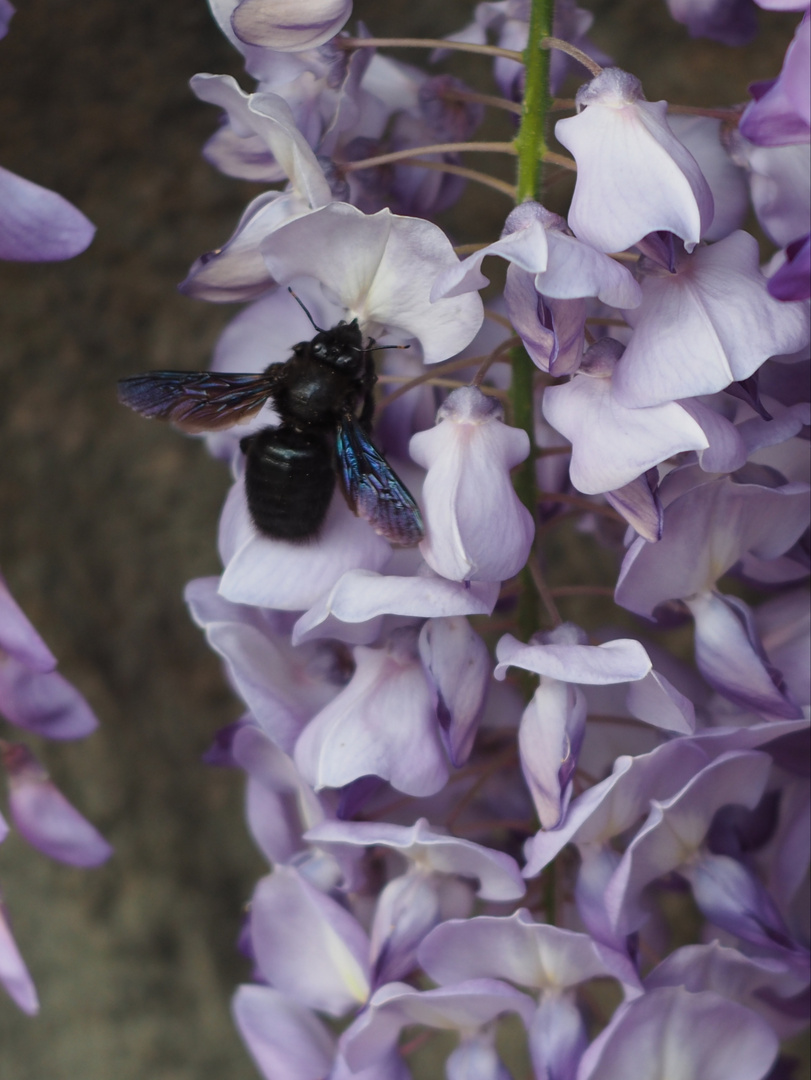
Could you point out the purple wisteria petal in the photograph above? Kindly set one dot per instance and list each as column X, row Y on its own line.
column 612, row 805
column 676, row 827
column 613, row 444
column 634, row 177
column 381, row 268
column 286, row 25
column 516, row 948
column 463, row 1007
column 672, row 1032
column 458, row 662
column 549, row 741
column 623, row 660
column 14, row 974
column 236, row 272
column 781, row 111
column 43, row 702
column 791, row 280
column 407, row 908
column 749, row 980
column 551, row 330
column 291, row 577
column 639, row 503
column 307, row 945
column 731, row 657
column 784, row 625
column 362, row 595
column 469, row 455
column 497, row 873
column 730, row 897
column 37, row 225
column 383, row 723
column 269, row 117
column 656, row 701
column 7, row 10
column 732, row 22
column 523, row 242
column 536, row 240
column 282, row 685
column 285, row 1039
column 43, row 815
column 18, row 637
column 280, row 807
column 708, row 528
column 476, row 1058
column 711, row 323
column 779, row 181
column 557, row 1037
column 702, row 136
column 727, row 449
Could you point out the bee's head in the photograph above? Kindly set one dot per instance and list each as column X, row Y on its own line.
column 340, row 347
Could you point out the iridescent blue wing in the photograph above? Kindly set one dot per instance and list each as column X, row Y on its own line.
column 374, row 489
column 197, row 400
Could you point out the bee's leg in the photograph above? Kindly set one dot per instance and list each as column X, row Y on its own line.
column 368, row 381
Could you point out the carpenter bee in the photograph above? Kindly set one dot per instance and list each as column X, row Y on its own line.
column 323, row 395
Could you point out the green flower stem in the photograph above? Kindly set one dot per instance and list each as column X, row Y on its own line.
column 531, row 146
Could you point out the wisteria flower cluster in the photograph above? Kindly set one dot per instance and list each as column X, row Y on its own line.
column 471, row 806
column 37, row 225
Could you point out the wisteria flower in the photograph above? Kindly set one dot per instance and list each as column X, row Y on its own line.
column 468, row 456
column 380, row 267
column 710, row 323
column 634, row 177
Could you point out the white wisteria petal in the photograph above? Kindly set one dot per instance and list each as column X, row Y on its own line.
column 622, row 660
column 383, row 723
column 549, row 740
column 671, row 1032
column 459, row 664
column 289, row 25
column 702, row 136
column 709, row 324
column 287, row 1041
column 292, row 577
column 361, row 595
column 307, row 945
column 526, row 247
column 634, row 177
column 497, row 873
column 516, row 948
column 575, row 269
column 611, row 443
column 381, row 267
column 270, row 117
column 468, row 455
column 236, row 272
column 14, row 975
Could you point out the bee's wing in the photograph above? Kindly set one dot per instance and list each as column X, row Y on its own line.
column 197, row 400
column 374, row 489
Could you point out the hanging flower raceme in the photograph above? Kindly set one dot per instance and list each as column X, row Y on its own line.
column 392, row 769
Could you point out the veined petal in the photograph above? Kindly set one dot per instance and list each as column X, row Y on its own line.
column 469, row 454
column 381, row 267
column 307, row 945
column 37, row 225
column 287, row 25
column 634, row 177
column 711, row 323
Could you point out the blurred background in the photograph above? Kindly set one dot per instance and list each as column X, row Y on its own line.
column 103, row 517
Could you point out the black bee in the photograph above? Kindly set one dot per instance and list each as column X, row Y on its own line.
column 323, row 395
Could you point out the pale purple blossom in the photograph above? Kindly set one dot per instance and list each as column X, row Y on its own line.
column 634, row 177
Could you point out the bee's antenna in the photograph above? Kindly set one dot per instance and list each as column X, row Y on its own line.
column 304, row 309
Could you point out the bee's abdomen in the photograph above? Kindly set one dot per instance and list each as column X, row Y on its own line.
column 289, row 481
